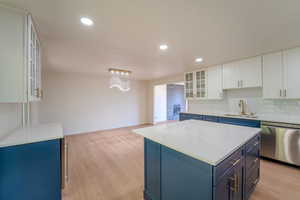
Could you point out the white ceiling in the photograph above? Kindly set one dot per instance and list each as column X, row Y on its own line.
column 129, row 32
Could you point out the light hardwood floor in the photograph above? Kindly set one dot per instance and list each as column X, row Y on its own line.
column 108, row 165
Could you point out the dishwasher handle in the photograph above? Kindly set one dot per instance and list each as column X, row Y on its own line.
column 280, row 125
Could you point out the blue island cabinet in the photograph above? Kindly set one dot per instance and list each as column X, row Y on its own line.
column 171, row 175
column 31, row 171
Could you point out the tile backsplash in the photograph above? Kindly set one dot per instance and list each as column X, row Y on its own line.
column 254, row 103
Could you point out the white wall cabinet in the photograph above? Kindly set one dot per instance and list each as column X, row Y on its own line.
column 214, row 82
column 20, row 58
column 243, row 74
column 231, row 76
column 204, row 83
column 281, row 75
column 291, row 65
column 189, row 82
column 273, row 76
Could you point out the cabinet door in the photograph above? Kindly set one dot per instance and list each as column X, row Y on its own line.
column 291, row 73
column 231, row 185
column 201, row 84
column 152, row 161
column 31, row 171
column 34, row 63
column 272, row 76
column 214, row 83
column 231, row 76
column 250, row 72
column 12, row 70
column 189, row 85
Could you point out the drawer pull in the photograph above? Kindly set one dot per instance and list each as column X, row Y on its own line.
column 235, row 180
column 236, row 162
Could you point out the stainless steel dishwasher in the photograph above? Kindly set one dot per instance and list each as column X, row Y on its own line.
column 281, row 141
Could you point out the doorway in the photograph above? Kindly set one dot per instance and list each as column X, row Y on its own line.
column 169, row 101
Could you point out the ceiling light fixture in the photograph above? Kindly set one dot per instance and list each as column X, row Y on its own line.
column 86, row 21
column 199, row 60
column 163, row 47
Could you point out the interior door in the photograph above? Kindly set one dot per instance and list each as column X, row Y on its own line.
column 160, row 103
column 291, row 73
column 272, row 76
column 251, row 72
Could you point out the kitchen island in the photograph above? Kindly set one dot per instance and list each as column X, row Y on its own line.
column 200, row 160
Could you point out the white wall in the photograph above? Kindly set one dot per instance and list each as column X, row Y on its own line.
column 254, row 100
column 85, row 103
column 160, row 103
column 10, row 117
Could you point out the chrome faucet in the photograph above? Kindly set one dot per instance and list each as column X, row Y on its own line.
column 242, row 106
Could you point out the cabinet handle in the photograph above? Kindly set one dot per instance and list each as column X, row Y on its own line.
column 284, row 92
column 39, row 93
column 235, row 180
column 67, row 162
column 281, row 93
column 236, row 162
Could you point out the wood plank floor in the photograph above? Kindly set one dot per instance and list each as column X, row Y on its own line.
column 108, row 165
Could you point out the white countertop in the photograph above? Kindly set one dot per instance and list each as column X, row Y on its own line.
column 281, row 118
column 31, row 134
column 206, row 141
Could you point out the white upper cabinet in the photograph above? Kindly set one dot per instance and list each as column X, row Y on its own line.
column 20, row 58
column 231, row 76
column 273, row 76
column 201, row 84
column 214, row 82
column 250, row 72
column 243, row 74
column 34, row 63
column 281, row 75
column 204, row 84
column 291, row 66
column 189, row 82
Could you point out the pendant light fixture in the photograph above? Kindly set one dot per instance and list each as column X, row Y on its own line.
column 120, row 79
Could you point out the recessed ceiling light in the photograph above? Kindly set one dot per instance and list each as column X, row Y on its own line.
column 86, row 21
column 199, row 60
column 163, row 47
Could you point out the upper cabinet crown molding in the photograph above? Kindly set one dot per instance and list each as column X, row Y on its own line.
column 281, row 75
column 245, row 73
column 20, row 58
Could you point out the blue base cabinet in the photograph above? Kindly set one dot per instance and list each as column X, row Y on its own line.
column 224, row 120
column 31, row 171
column 171, row 175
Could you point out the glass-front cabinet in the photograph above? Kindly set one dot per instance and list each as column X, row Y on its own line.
column 205, row 83
column 201, row 84
column 20, row 57
column 189, row 85
column 196, row 84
